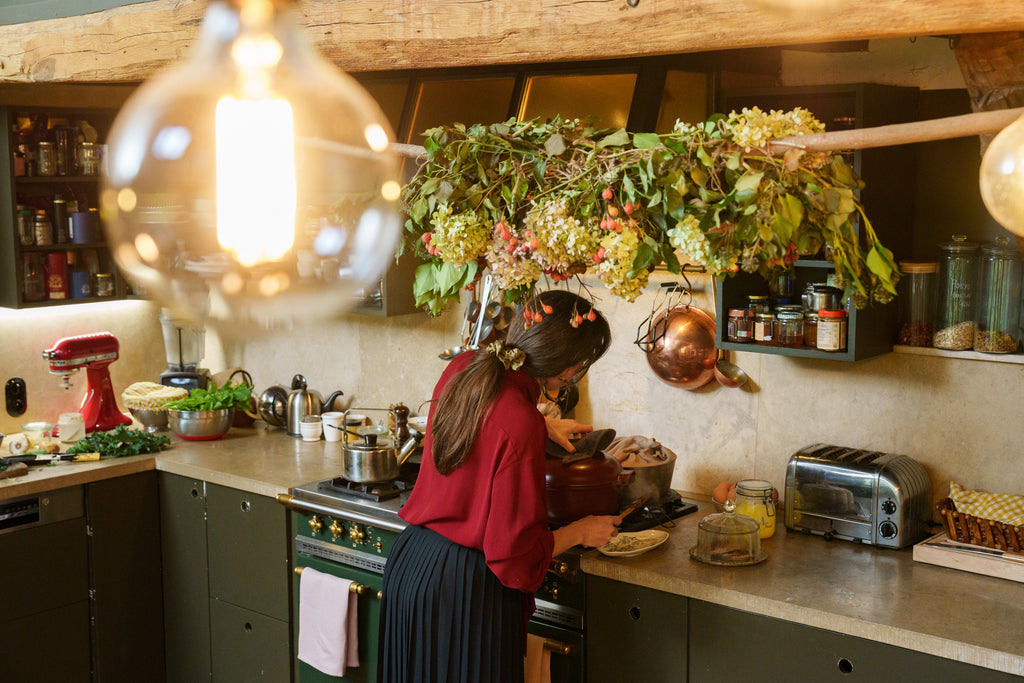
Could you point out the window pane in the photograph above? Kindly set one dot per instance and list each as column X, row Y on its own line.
column 390, row 95
column 468, row 101
column 685, row 98
column 606, row 97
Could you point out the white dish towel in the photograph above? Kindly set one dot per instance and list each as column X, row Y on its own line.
column 328, row 640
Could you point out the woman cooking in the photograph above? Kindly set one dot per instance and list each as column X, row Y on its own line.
column 459, row 581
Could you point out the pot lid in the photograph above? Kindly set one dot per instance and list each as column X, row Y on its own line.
column 370, row 442
column 597, row 470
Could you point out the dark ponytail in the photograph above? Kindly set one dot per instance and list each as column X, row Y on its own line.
column 551, row 345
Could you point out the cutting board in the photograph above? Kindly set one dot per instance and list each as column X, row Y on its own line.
column 964, row 560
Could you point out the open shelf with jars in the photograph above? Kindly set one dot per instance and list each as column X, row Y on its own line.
column 49, row 208
column 887, row 172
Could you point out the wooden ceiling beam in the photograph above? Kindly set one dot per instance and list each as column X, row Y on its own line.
column 128, row 44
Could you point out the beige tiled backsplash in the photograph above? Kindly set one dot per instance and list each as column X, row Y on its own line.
column 959, row 418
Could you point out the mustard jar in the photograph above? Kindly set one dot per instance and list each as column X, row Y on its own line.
column 754, row 498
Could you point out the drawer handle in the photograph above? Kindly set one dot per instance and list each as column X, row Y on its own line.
column 555, row 647
column 354, row 587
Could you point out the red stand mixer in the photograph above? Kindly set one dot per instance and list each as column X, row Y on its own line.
column 94, row 352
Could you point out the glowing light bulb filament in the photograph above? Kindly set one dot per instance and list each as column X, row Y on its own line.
column 256, row 186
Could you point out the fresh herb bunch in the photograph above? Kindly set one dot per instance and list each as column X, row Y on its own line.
column 215, row 398
column 120, row 442
column 532, row 200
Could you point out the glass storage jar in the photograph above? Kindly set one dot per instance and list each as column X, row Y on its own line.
column 755, row 500
column 761, row 303
column 999, row 302
column 917, row 302
column 811, row 329
column 47, row 159
column 740, row 327
column 832, row 330
column 789, row 329
column 954, row 316
column 763, row 323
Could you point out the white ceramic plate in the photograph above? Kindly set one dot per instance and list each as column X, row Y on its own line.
column 419, row 423
column 629, row 544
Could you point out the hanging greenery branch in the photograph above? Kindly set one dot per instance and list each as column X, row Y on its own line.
column 531, row 200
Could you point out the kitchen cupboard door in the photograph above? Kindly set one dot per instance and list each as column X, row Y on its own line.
column 124, row 562
column 634, row 633
column 248, row 550
column 247, row 646
column 728, row 645
column 185, row 578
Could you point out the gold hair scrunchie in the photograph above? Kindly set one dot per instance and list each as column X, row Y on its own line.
column 510, row 356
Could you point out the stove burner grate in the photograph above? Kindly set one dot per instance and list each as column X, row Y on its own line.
column 377, row 491
column 671, row 509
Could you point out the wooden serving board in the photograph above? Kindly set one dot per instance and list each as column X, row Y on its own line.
column 1009, row 566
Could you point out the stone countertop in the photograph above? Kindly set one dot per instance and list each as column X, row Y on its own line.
column 880, row 595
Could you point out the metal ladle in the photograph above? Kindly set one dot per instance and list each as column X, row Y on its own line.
column 729, row 374
column 472, row 311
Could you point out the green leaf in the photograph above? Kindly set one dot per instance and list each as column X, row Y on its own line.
column 879, row 265
column 646, row 140
column 704, row 158
column 618, row 138
column 554, row 145
column 748, row 182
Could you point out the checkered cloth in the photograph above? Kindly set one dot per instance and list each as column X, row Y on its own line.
column 999, row 507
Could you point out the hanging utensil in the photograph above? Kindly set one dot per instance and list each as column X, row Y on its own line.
column 668, row 296
column 485, row 298
column 472, row 311
column 729, row 374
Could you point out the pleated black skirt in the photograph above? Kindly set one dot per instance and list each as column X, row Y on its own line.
column 445, row 617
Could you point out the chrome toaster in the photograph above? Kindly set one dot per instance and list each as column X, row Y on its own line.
column 875, row 498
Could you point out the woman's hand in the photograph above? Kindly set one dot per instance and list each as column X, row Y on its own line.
column 561, row 430
column 590, row 532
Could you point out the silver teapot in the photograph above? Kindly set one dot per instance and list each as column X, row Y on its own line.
column 303, row 402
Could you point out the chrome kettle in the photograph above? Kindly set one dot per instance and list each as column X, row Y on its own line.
column 303, row 402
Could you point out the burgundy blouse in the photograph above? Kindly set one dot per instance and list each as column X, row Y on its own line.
column 495, row 501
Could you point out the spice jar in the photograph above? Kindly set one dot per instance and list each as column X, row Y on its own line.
column 33, row 287
column 755, row 500
column 954, row 316
column 761, row 303
column 88, row 158
column 811, row 329
column 104, row 285
column 763, row 328
column 917, row 302
column 740, row 327
column 999, row 288
column 789, row 329
column 832, row 330
column 42, row 230
column 26, row 226
column 47, row 159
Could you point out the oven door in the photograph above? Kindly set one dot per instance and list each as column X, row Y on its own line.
column 368, row 613
column 566, row 648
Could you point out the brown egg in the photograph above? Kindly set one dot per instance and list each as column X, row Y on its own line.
column 721, row 492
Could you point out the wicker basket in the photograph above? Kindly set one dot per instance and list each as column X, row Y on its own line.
column 979, row 531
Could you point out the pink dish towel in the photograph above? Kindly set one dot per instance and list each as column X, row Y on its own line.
column 328, row 640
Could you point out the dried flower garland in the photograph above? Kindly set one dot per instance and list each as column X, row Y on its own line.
column 531, row 200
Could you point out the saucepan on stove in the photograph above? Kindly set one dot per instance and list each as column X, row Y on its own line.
column 373, row 456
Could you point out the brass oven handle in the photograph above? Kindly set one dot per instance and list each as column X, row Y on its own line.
column 354, row 587
column 555, row 647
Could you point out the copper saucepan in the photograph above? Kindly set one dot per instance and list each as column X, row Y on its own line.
column 683, row 351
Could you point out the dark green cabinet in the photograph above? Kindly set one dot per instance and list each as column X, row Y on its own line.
column 226, row 583
column 124, row 566
column 82, row 598
column 634, row 633
column 728, row 644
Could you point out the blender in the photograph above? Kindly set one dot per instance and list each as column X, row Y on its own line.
column 185, row 342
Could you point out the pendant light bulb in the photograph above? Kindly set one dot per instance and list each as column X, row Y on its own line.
column 252, row 187
column 1002, row 177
